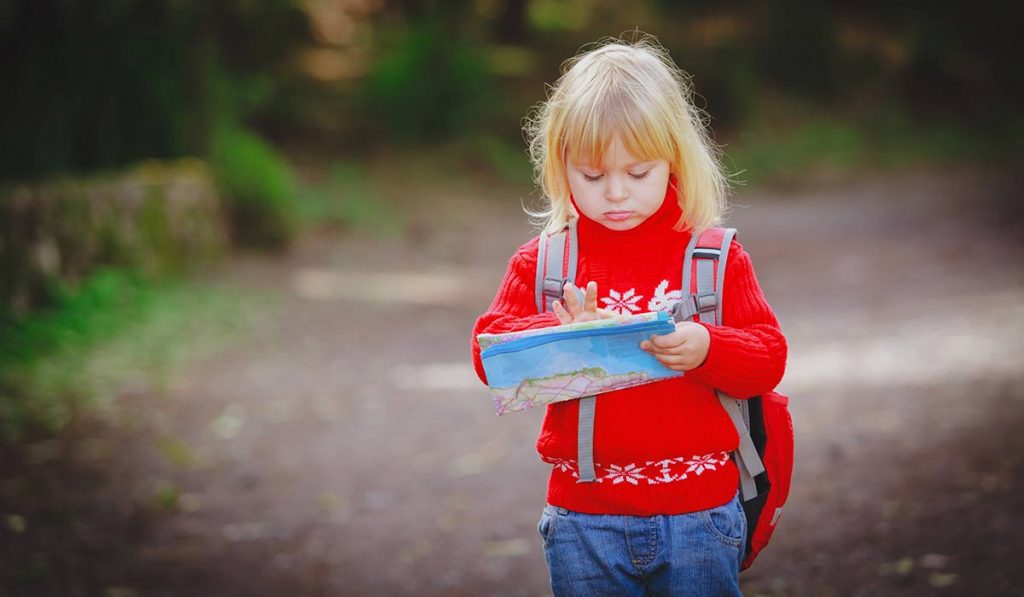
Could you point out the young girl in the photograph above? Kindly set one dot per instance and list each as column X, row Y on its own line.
column 619, row 147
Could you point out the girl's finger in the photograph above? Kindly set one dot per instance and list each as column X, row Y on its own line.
column 660, row 354
column 572, row 302
column 560, row 312
column 668, row 341
column 654, row 348
column 669, row 358
column 675, row 352
column 590, row 298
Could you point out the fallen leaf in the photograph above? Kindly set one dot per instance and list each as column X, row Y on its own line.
column 176, row 452
column 329, row 502
column 940, row 580
column 901, row 567
column 17, row 524
column 229, row 422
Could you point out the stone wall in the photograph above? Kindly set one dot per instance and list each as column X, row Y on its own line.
column 159, row 216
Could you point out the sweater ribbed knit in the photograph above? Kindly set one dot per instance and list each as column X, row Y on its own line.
column 663, row 447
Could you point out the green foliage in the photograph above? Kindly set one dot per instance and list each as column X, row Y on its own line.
column 258, row 186
column 78, row 315
column 428, row 83
column 509, row 162
column 557, row 15
column 165, row 497
column 176, row 452
column 764, row 153
column 255, row 182
column 115, row 329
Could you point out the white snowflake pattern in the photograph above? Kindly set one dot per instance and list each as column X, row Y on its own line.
column 566, row 466
column 654, row 472
column 623, row 303
column 664, row 301
column 699, row 464
column 630, row 473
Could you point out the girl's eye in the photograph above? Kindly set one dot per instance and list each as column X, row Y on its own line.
column 593, row 178
column 641, row 176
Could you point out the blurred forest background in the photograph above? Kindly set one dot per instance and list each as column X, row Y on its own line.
column 258, row 90
column 156, row 150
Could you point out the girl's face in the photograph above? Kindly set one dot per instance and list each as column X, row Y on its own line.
column 620, row 193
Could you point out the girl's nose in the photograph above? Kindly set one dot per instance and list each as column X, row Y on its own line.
column 616, row 190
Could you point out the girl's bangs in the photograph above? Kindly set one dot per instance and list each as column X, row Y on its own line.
column 588, row 133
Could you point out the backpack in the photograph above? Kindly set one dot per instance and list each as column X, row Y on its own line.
column 765, row 428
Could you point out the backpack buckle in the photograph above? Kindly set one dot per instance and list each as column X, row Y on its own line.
column 693, row 305
column 553, row 287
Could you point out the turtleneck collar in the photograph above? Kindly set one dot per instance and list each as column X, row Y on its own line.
column 660, row 222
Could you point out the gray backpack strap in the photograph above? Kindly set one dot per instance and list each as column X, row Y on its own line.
column 551, row 259
column 706, row 274
column 588, row 404
column 747, row 460
column 706, row 301
column 711, row 279
column 551, row 263
column 542, row 259
column 723, row 259
column 692, row 304
column 585, row 440
column 688, row 260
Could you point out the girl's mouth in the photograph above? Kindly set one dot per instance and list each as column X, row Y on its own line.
column 618, row 216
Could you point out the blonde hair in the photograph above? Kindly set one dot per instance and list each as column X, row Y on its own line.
column 634, row 90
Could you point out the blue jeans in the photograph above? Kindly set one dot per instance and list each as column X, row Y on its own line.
column 698, row 553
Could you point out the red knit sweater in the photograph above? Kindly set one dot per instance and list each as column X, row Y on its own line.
column 659, row 448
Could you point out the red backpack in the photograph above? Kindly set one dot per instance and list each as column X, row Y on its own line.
column 765, row 454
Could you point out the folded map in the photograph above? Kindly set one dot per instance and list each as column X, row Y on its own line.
column 545, row 365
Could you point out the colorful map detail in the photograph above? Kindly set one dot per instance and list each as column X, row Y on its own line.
column 586, row 382
column 488, row 340
column 543, row 366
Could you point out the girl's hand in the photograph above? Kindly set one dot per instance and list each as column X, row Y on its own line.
column 569, row 309
column 682, row 350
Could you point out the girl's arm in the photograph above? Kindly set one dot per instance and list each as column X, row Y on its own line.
column 747, row 356
column 514, row 307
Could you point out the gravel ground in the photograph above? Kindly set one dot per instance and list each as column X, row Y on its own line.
column 346, row 448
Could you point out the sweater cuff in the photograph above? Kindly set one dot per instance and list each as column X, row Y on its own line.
column 711, row 363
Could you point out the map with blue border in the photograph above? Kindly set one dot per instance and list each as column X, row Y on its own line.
column 542, row 366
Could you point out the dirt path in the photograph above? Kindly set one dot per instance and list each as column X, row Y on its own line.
column 348, row 449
